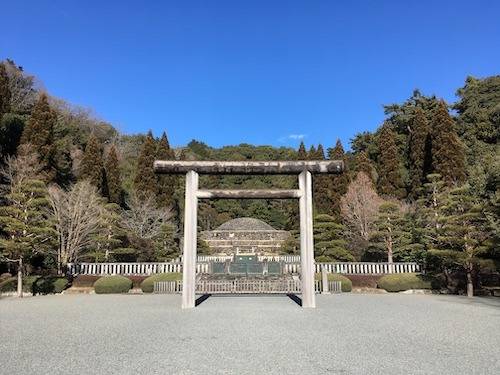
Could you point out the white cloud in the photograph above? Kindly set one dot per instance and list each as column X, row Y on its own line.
column 297, row 136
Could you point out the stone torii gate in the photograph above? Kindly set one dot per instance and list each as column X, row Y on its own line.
column 304, row 170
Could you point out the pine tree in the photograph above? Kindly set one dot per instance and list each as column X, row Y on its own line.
column 321, row 187
column 4, row 91
column 92, row 168
column 391, row 235
column 302, row 153
column 145, row 178
column 363, row 164
column 463, row 233
column 26, row 221
column 338, row 183
column 311, row 155
column 420, row 152
column 166, row 183
column 448, row 155
column 389, row 182
column 329, row 244
column 166, row 247
column 113, row 178
column 107, row 238
column 39, row 132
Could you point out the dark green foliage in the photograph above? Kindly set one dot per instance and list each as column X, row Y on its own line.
column 92, row 168
column 389, row 175
column 311, row 155
column 4, row 91
column 145, row 179
column 328, row 240
column 39, row 132
column 113, row 179
column 363, row 164
column 26, row 221
column 321, row 187
column 10, row 284
column 346, row 283
column 166, row 183
column 112, row 285
column 50, row 284
column 148, row 284
column 338, row 183
column 166, row 244
column 448, row 157
column 420, row 152
column 11, row 129
column 302, row 153
column 405, row 281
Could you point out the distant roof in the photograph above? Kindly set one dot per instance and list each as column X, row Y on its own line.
column 245, row 223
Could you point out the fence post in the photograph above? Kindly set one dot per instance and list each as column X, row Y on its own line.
column 324, row 279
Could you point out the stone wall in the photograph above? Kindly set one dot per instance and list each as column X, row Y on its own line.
column 243, row 241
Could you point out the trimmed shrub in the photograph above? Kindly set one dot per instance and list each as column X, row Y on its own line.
column 10, row 284
column 50, row 284
column 346, row 283
column 112, row 284
column 399, row 282
column 148, row 283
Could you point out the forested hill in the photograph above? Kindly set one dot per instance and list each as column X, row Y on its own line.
column 427, row 180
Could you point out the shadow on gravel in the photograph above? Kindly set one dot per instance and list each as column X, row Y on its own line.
column 295, row 298
column 201, row 299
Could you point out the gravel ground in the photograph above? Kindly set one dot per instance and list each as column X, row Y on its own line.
column 346, row 334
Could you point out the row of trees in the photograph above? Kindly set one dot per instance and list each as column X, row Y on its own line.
column 422, row 187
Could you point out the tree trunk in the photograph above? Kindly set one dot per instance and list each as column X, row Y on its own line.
column 20, row 278
column 470, row 285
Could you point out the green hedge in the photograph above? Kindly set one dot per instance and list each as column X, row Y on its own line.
column 148, row 283
column 346, row 283
column 10, row 284
column 112, row 284
column 50, row 284
column 405, row 281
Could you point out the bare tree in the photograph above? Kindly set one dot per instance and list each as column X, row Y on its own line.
column 143, row 217
column 359, row 206
column 23, row 88
column 21, row 168
column 78, row 215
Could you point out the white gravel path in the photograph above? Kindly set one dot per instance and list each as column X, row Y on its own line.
column 346, row 334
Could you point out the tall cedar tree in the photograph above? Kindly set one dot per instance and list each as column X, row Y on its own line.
column 389, row 182
column 39, row 132
column 362, row 163
column 420, row 152
column 302, row 153
column 4, row 91
column 338, row 183
column 312, row 155
column 448, row 154
column 321, row 187
column 166, row 183
column 92, row 165
column 145, row 183
column 113, row 178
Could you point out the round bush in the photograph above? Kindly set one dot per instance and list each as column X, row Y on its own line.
column 51, row 284
column 112, row 284
column 404, row 281
column 148, row 283
column 346, row 284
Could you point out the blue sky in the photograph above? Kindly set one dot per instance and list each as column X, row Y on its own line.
column 260, row 72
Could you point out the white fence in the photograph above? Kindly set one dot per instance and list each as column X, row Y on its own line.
column 142, row 269
column 244, row 286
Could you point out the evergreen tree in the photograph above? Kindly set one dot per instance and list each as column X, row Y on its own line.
column 448, row 156
column 113, row 179
column 92, row 168
column 166, row 246
column 420, row 152
column 4, row 91
column 302, row 153
column 363, row 164
column 389, row 182
column 391, row 236
column 107, row 238
column 166, row 183
column 321, row 187
column 311, row 155
column 338, row 183
column 329, row 244
column 39, row 132
column 145, row 179
column 463, row 233
column 26, row 221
